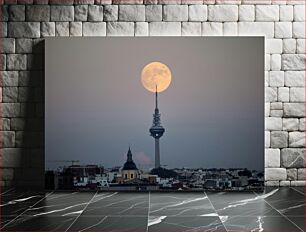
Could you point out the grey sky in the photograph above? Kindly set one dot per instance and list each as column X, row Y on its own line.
column 213, row 111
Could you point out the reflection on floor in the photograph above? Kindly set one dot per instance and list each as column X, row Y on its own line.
column 274, row 210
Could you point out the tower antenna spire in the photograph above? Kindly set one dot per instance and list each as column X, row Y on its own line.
column 156, row 105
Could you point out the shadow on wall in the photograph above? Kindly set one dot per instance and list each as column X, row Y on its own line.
column 29, row 169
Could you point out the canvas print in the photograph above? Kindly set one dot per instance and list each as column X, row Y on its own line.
column 154, row 114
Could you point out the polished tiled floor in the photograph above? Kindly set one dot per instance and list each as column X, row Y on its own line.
column 275, row 210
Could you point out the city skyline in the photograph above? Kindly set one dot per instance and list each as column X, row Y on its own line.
column 104, row 108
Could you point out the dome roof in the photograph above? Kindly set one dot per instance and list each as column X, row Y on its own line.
column 129, row 164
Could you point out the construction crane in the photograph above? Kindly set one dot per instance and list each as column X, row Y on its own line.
column 73, row 162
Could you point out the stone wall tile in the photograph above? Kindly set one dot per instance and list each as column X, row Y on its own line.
column 272, row 158
column 9, row 78
column 24, row 29
column 8, row 45
column 131, row 13
column 164, row 29
column 62, row 13
column 62, row 29
column 279, row 139
column 299, row 13
column 191, row 29
column 95, row 13
column 246, row 13
column 301, row 175
column 283, row 30
column 141, row 29
column 17, row 13
column 230, row 29
column 286, row 13
column 94, row 29
column 289, row 46
column 290, row 124
column 110, row 13
column 24, row 45
column 212, row 29
column 197, row 13
column 298, row 30
column 275, row 174
column 9, row 94
column 294, row 110
column 175, row 13
column 16, row 62
column 293, row 158
column 295, row 78
column 296, row 139
column 47, row 29
column 256, row 28
column 80, row 13
column 267, row 13
column 120, row 29
column 39, row 13
column 300, row 46
column 11, row 109
column 154, row 13
column 222, row 13
column 293, row 61
column 75, row 29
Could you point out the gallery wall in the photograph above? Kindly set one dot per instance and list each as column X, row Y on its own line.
column 25, row 23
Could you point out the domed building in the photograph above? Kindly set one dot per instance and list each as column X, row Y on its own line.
column 129, row 170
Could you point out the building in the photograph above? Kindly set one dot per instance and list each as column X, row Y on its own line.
column 58, row 180
column 83, row 173
column 132, row 179
column 129, row 170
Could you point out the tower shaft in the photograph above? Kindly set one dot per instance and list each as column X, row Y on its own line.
column 157, row 155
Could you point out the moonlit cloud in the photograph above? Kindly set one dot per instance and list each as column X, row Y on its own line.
column 142, row 159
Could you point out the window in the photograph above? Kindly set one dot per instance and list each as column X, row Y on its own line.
column 132, row 176
column 125, row 176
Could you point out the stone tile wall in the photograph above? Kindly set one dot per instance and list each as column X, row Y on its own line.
column 24, row 24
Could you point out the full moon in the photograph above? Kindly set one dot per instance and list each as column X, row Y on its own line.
column 154, row 75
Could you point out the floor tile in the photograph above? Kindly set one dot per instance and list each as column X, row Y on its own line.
column 16, row 202
column 259, row 223
column 245, row 204
column 301, row 190
column 180, row 204
column 288, row 202
column 298, row 221
column 55, row 211
column 180, row 224
column 111, row 223
column 39, row 224
column 114, row 204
